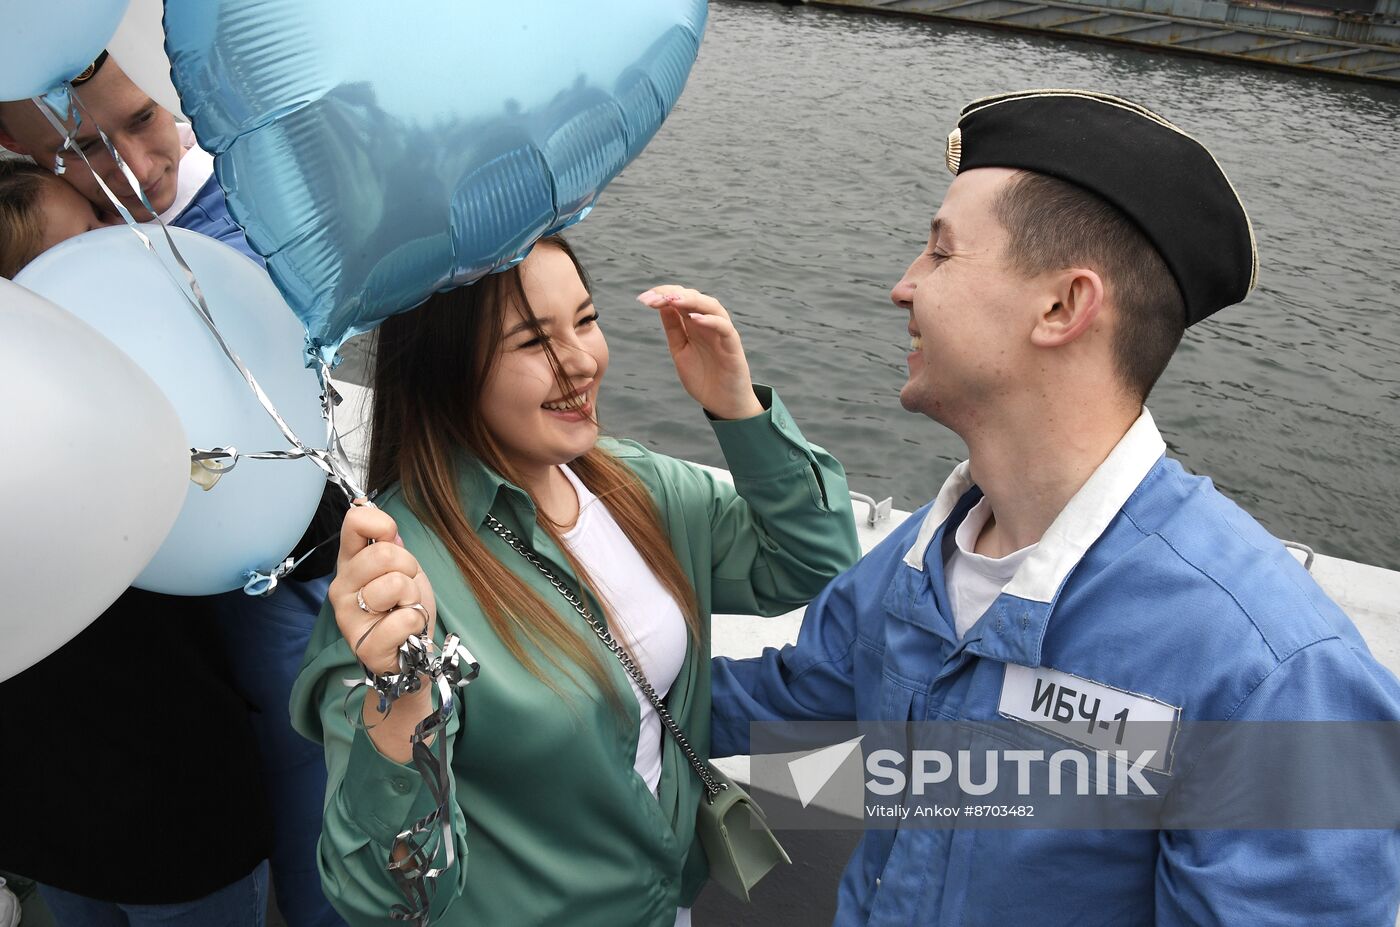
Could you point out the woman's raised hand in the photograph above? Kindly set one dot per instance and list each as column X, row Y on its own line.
column 375, row 589
column 704, row 344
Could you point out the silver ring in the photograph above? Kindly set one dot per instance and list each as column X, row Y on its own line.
column 360, row 601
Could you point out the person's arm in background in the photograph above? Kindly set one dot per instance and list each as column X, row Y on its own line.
column 816, row 678
column 812, row 680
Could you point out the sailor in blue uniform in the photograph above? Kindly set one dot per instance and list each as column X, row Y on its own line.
column 1080, row 237
column 207, row 213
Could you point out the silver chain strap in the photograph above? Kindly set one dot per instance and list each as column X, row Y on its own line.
column 712, row 786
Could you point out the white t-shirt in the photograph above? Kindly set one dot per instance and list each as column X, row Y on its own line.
column 648, row 619
column 196, row 167
column 974, row 581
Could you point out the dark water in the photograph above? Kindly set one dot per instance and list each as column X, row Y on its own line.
column 797, row 177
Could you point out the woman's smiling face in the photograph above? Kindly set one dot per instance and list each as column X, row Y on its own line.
column 536, row 422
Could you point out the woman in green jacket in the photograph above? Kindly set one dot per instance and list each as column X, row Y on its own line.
column 571, row 804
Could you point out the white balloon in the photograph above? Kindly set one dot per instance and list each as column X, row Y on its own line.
column 139, row 47
column 94, row 472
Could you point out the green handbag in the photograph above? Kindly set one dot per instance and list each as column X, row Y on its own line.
column 731, row 827
column 736, row 838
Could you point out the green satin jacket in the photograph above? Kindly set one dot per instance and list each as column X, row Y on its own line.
column 552, row 824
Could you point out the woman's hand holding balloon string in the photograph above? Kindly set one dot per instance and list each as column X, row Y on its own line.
column 373, row 594
column 706, row 349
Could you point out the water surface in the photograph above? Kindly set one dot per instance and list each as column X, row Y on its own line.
column 797, row 176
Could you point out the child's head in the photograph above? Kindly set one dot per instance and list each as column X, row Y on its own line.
column 37, row 211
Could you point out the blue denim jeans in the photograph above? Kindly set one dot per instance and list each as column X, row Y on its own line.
column 242, row 904
column 265, row 639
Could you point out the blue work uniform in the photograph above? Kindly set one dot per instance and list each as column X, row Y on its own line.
column 1149, row 582
column 208, row 215
column 266, row 638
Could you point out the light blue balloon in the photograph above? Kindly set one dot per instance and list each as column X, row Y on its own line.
column 256, row 513
column 42, row 43
column 376, row 152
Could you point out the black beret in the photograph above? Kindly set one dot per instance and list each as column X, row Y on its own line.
column 1162, row 179
column 91, row 70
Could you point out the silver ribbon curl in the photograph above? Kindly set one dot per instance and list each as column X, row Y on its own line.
column 415, row 853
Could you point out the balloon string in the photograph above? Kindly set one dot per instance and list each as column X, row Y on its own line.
column 335, row 447
column 332, row 460
column 220, row 460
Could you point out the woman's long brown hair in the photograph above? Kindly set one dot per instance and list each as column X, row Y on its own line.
column 429, row 368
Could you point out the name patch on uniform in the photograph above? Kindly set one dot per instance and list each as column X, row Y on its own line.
column 1090, row 713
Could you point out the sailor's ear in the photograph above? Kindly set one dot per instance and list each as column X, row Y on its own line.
column 1072, row 307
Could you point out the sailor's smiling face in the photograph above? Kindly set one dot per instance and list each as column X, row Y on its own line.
column 534, row 420
column 968, row 306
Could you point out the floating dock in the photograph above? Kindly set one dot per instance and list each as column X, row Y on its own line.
column 1345, row 43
